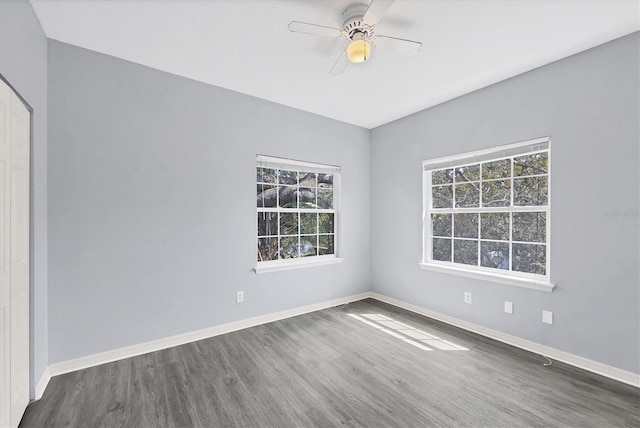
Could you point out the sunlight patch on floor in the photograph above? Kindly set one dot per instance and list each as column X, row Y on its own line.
column 406, row 333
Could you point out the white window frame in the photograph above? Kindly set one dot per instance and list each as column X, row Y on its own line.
column 520, row 279
column 309, row 261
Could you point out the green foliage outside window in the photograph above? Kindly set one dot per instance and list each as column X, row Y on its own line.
column 296, row 214
column 492, row 214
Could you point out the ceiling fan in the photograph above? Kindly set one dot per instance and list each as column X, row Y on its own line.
column 359, row 29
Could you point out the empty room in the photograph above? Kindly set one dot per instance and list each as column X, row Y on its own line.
column 319, row 213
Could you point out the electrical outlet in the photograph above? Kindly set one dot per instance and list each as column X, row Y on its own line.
column 239, row 296
column 508, row 307
column 547, row 317
column 467, row 297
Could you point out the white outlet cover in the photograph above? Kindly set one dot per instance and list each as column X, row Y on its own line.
column 508, row 307
column 467, row 297
column 547, row 317
column 240, row 296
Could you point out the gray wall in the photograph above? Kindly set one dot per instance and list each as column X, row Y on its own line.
column 152, row 204
column 589, row 105
column 23, row 63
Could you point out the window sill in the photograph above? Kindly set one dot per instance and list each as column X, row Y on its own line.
column 485, row 276
column 277, row 266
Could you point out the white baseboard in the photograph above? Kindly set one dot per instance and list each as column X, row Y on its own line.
column 42, row 384
column 168, row 342
column 571, row 359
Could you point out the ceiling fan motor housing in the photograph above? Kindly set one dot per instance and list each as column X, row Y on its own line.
column 354, row 27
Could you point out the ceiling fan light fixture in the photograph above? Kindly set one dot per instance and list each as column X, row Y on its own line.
column 359, row 51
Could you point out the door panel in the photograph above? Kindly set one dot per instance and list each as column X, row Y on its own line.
column 5, row 262
column 20, row 147
column 15, row 128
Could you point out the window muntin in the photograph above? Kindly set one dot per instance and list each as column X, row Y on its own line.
column 296, row 210
column 488, row 211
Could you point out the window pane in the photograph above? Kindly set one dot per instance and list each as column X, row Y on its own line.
column 530, row 227
column 308, row 179
column 325, row 223
column 442, row 176
column 496, row 193
column 441, row 224
column 289, row 224
column 529, row 258
column 326, row 244
column 308, row 246
column 442, row 197
column 465, row 252
column 534, row 164
column 466, row 225
column 467, row 195
column 325, row 181
column 468, row 173
column 267, row 223
column 494, row 255
column 494, row 226
column 325, row 198
column 441, row 249
column 530, row 191
column 307, row 197
column 289, row 247
column 287, row 177
column 288, row 196
column 308, row 223
column 267, row 249
column 496, row 169
column 266, row 175
column 267, row 195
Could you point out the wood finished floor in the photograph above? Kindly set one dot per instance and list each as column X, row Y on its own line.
column 327, row 369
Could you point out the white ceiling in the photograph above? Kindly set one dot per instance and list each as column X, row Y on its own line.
column 245, row 45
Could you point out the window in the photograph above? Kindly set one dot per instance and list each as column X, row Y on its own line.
column 296, row 213
column 488, row 212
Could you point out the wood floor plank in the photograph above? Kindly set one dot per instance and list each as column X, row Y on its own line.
column 367, row 364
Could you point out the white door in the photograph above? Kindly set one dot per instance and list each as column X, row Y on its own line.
column 20, row 170
column 15, row 128
column 5, row 250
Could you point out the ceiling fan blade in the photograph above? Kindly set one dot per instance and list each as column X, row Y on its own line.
column 402, row 46
column 376, row 11
column 341, row 64
column 318, row 30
